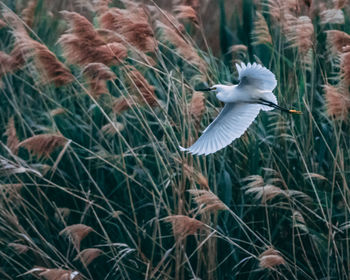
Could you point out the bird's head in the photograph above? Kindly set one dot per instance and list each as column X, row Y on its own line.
column 222, row 91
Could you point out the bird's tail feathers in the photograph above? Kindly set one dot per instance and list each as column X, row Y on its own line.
column 182, row 149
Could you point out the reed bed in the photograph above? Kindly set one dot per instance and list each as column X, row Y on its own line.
column 96, row 97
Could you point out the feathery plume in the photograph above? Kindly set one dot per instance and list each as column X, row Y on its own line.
column 141, row 86
column 338, row 104
column 12, row 139
column 333, row 16
column 271, row 258
column 192, row 3
column 207, row 201
column 299, row 221
column 76, row 233
column 275, row 9
column 102, row 6
column 2, row 23
column 111, row 129
column 264, row 193
column 200, row 179
column 184, row 226
column 43, row 145
column 299, row 32
column 339, row 4
column 122, row 104
column 197, row 106
column 19, row 248
column 57, row 111
column 132, row 25
column 47, row 63
column 97, row 75
column 28, row 13
column 183, row 48
column 55, row 273
column 345, row 68
column 261, row 33
column 82, row 44
column 62, row 212
column 186, row 13
column 254, row 181
column 87, row 256
column 337, row 40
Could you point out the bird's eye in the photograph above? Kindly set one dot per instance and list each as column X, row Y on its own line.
column 213, row 88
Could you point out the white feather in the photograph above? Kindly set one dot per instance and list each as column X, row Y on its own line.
column 230, row 124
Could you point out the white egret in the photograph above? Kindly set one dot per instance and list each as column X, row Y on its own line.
column 243, row 103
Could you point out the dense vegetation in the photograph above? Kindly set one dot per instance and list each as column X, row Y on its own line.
column 94, row 104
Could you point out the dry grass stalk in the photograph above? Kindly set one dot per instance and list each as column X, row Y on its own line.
column 141, row 86
column 197, row 106
column 76, row 233
column 333, row 16
column 299, row 32
column 184, row 226
column 88, row 255
column 183, row 48
column 337, row 40
column 122, row 104
column 132, row 25
column 83, row 45
column 271, row 258
column 97, row 75
column 12, row 139
column 44, row 144
column 208, row 201
column 184, row 12
column 190, row 172
column 338, row 104
column 111, row 129
column 261, row 33
column 28, row 14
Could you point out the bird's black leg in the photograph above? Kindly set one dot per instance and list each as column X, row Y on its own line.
column 273, row 105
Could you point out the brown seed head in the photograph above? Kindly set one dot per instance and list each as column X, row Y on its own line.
column 77, row 233
column 208, row 201
column 271, row 258
column 261, row 33
column 132, row 25
column 44, row 144
column 338, row 103
column 337, row 40
column 28, row 14
column 197, row 106
column 184, row 226
column 97, row 74
column 121, row 104
column 184, row 12
column 12, row 139
column 88, row 255
column 345, row 68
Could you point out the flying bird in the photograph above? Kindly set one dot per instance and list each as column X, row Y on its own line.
column 243, row 103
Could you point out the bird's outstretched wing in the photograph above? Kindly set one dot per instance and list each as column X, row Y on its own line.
column 230, row 124
column 257, row 76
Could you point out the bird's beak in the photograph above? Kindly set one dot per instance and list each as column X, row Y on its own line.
column 204, row 89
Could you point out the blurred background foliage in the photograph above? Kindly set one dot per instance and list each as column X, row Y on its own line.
column 95, row 102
